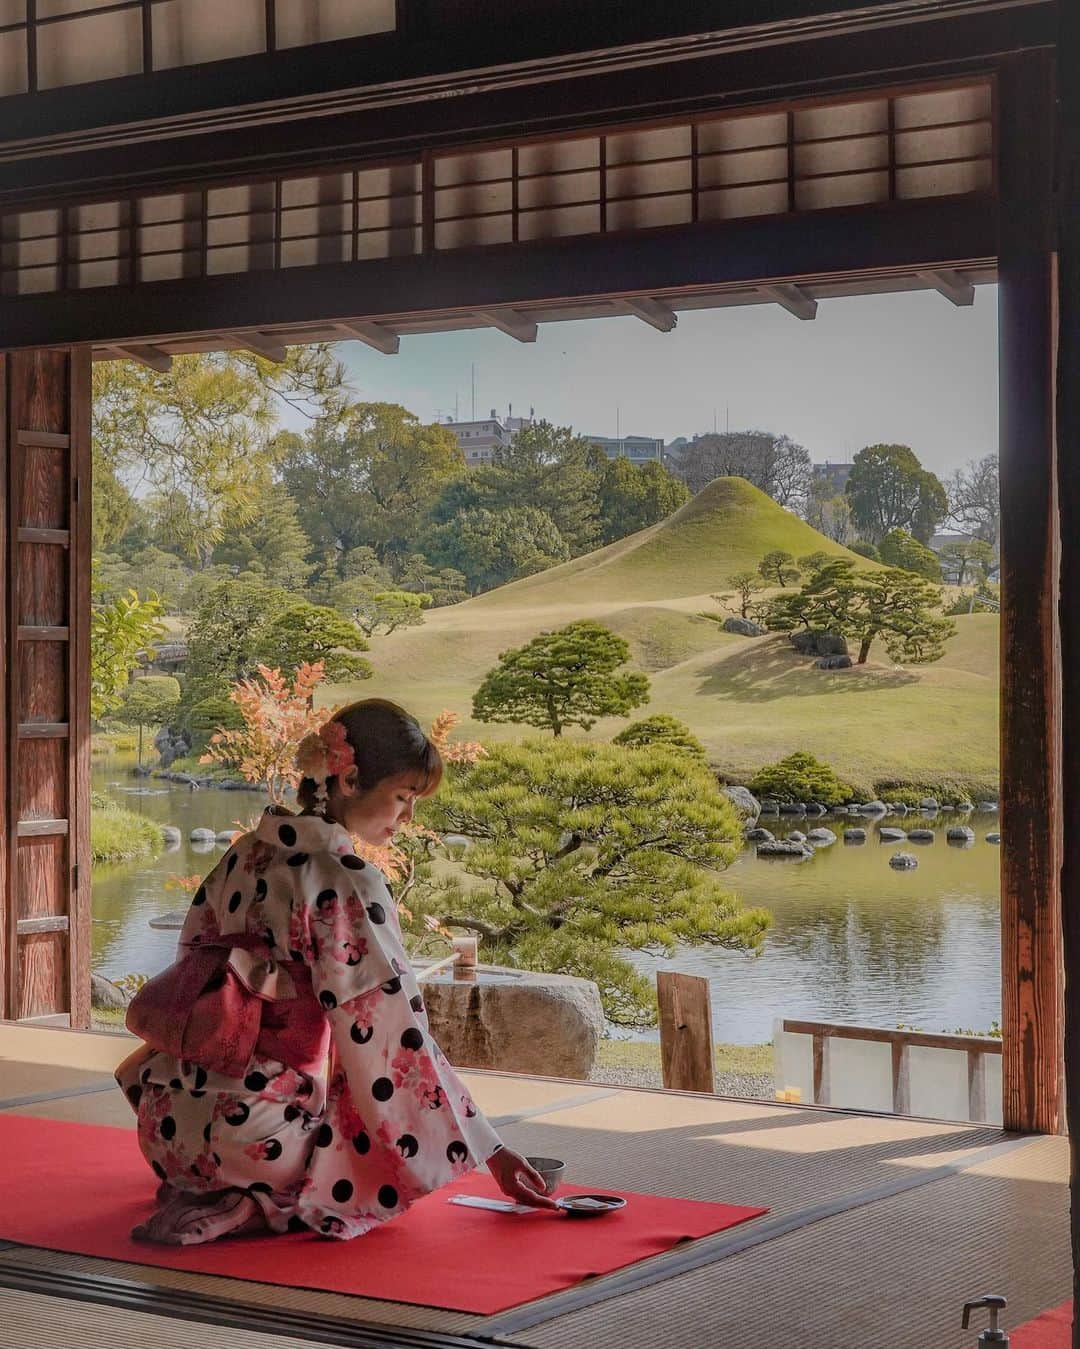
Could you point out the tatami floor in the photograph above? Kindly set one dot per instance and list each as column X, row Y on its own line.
column 879, row 1229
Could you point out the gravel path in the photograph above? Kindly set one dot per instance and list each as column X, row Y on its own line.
column 759, row 1087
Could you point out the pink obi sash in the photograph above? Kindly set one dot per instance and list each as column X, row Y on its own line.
column 221, row 1002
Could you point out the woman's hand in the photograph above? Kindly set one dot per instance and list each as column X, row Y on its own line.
column 518, row 1180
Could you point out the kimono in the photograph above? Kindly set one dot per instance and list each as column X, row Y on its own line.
column 336, row 1150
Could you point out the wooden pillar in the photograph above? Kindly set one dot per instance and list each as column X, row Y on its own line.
column 45, row 730
column 1030, row 673
column 1068, row 435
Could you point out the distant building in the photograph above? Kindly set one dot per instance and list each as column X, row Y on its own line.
column 479, row 439
column 835, row 474
column 638, row 449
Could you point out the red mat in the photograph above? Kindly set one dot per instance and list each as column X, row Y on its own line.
column 1051, row 1330
column 81, row 1188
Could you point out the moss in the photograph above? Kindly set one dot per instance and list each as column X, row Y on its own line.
column 745, row 1060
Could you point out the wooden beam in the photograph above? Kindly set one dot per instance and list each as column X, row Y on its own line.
column 794, row 299
column 1068, row 494
column 152, row 357
column 1030, row 675
column 652, row 312
column 952, row 285
column 509, row 321
column 265, row 347
column 374, row 334
column 687, row 1056
column 742, row 254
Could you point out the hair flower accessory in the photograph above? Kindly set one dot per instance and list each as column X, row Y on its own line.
column 322, row 755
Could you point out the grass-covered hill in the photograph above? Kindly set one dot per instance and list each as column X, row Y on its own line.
column 729, row 526
column 750, row 700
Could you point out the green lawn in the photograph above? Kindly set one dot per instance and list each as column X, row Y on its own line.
column 749, row 700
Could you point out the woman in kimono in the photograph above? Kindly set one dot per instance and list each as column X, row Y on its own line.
column 261, row 1132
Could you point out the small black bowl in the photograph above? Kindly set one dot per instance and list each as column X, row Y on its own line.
column 590, row 1205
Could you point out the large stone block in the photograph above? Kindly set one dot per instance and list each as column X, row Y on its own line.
column 517, row 1021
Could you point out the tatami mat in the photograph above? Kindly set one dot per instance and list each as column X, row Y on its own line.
column 894, row 1272
column 30, row 1321
column 19, row 1079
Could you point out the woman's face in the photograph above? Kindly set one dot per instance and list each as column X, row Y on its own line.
column 378, row 814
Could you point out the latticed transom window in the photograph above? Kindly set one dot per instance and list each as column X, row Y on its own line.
column 45, row 44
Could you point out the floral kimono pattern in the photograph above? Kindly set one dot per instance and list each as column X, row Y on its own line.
column 337, row 1151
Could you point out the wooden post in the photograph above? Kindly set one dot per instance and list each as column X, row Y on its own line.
column 45, row 598
column 686, row 1036
column 1068, row 432
column 1030, row 676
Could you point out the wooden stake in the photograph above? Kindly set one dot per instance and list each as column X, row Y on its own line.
column 686, row 1034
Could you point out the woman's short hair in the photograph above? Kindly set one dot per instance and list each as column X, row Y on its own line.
column 386, row 742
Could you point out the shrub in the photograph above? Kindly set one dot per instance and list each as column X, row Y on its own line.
column 661, row 730
column 865, row 549
column 800, row 777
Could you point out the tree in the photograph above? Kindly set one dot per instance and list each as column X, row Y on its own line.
column 778, row 568
column 582, row 852
column 864, row 548
column 269, row 542
column 800, row 777
column 146, row 702
column 121, row 632
column 152, row 569
column 200, row 433
column 664, row 730
column 274, row 714
column 776, row 464
column 899, row 549
column 632, row 497
column 813, row 562
column 226, row 637
column 302, row 633
column 388, row 610
column 828, row 511
column 902, row 608
column 491, row 547
column 548, row 468
column 974, row 496
column 445, row 585
column 745, row 584
column 562, row 678
column 367, row 477
column 973, row 559
column 889, row 489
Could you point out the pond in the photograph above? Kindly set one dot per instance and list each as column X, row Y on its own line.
column 852, row 939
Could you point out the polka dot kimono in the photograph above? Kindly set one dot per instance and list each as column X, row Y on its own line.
column 337, row 1154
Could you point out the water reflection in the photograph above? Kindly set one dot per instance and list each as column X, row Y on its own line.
column 852, row 939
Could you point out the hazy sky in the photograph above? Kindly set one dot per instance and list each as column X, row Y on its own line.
column 909, row 368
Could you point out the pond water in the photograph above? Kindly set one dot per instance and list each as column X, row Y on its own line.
column 852, row 939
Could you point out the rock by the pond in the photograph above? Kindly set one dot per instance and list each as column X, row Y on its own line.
column 903, row 861
column 928, row 803
column 821, row 838
column 759, row 835
column 457, row 841
column 170, row 835
column 812, row 643
column 142, row 770
column 965, row 807
column 988, row 806
column 921, row 836
column 743, row 627
column 744, row 801
column 854, row 835
column 783, row 848
column 171, row 747
column 816, row 809
column 796, row 836
column 891, row 835
column 948, row 807
column 770, row 807
column 961, row 834
column 203, row 836
column 104, row 994
column 897, row 808
column 833, row 663
column 874, row 808
column 548, row 1024
column 226, row 836
column 792, row 808
column 993, row 838
column 172, row 921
